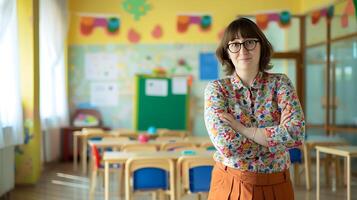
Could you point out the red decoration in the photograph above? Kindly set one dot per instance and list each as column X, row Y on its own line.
column 157, row 32
column 133, row 36
column 262, row 21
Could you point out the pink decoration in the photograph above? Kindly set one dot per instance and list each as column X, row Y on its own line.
column 133, row 36
column 100, row 22
column 157, row 32
column 349, row 10
column 274, row 17
column 195, row 19
column 324, row 12
column 143, row 138
column 344, row 20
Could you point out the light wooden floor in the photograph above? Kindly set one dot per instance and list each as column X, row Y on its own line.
column 54, row 186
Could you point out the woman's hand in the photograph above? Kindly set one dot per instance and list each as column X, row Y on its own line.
column 229, row 118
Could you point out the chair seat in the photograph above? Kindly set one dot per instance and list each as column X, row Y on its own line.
column 150, row 179
column 200, row 178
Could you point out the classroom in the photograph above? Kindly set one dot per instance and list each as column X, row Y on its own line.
column 133, row 99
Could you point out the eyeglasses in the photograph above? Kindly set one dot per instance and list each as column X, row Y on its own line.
column 248, row 45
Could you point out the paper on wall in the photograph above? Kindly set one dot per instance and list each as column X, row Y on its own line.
column 156, row 87
column 101, row 66
column 179, row 85
column 104, row 94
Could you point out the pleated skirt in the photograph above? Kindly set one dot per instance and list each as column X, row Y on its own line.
column 232, row 184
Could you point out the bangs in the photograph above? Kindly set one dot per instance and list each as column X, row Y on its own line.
column 245, row 28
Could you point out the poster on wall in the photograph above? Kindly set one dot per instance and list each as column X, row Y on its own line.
column 101, row 66
column 179, row 85
column 208, row 66
column 104, row 94
column 156, row 87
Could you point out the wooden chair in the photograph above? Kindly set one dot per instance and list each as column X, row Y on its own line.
column 172, row 133
column 139, row 147
column 98, row 169
column 208, row 146
column 118, row 139
column 149, row 175
column 172, row 146
column 169, row 139
column 193, row 175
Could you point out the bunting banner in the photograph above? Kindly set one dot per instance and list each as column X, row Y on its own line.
column 283, row 19
column 184, row 21
column 88, row 23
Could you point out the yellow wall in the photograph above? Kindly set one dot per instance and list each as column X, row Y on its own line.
column 164, row 13
column 28, row 164
column 308, row 5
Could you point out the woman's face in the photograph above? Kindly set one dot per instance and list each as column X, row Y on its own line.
column 244, row 53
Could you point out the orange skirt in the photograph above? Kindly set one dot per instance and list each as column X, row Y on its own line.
column 232, row 184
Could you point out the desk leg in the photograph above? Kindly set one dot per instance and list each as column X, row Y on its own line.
column 84, row 155
column 106, row 180
column 75, row 152
column 317, row 174
column 348, row 178
column 307, row 166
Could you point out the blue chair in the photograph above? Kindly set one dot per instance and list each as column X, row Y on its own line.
column 194, row 175
column 296, row 160
column 149, row 174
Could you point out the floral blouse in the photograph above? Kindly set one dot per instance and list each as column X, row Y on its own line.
column 262, row 105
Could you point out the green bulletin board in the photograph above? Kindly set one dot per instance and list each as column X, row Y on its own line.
column 161, row 111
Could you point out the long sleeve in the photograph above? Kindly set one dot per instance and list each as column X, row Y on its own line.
column 291, row 130
column 226, row 140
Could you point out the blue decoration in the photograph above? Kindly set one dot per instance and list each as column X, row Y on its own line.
column 152, row 130
column 285, row 17
column 208, row 66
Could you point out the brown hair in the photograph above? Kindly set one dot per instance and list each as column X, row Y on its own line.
column 247, row 29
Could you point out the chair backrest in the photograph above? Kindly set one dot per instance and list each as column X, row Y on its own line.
column 172, row 146
column 194, row 174
column 295, row 155
column 149, row 174
column 172, row 133
column 169, row 139
column 125, row 133
column 92, row 130
column 117, row 139
column 139, row 147
column 96, row 156
column 208, row 146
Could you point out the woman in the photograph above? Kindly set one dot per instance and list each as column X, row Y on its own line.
column 253, row 118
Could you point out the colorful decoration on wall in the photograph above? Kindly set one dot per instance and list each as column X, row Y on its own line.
column 283, row 19
column 182, row 67
column 324, row 12
column 350, row 9
column 110, row 24
column 157, row 32
column 184, row 21
column 137, row 8
column 133, row 36
column 159, row 71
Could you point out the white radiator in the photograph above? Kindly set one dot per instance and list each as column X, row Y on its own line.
column 7, row 169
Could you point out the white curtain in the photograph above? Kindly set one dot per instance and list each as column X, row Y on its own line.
column 53, row 96
column 10, row 98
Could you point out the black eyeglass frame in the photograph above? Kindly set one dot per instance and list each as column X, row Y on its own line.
column 244, row 45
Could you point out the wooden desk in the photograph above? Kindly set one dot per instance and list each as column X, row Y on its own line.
column 310, row 144
column 118, row 144
column 344, row 151
column 121, row 157
column 197, row 140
